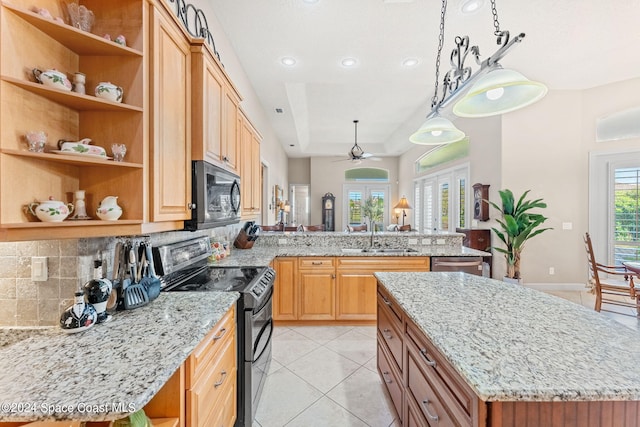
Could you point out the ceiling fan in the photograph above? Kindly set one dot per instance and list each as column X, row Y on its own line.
column 357, row 154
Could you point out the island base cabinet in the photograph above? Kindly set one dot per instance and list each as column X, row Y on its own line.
column 391, row 379
column 564, row 414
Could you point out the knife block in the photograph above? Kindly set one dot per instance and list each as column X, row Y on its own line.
column 242, row 241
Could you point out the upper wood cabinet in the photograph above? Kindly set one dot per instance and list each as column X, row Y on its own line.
column 30, row 41
column 214, row 110
column 250, row 168
column 170, row 130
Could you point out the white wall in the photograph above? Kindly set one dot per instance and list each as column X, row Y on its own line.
column 327, row 176
column 271, row 151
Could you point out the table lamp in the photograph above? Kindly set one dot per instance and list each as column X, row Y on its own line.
column 403, row 204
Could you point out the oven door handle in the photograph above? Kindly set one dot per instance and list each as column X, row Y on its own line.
column 269, row 323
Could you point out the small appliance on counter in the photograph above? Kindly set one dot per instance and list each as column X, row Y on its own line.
column 247, row 235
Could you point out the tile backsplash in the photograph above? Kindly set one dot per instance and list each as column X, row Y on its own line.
column 24, row 302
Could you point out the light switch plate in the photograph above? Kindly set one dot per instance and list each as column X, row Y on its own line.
column 39, row 269
column 282, row 241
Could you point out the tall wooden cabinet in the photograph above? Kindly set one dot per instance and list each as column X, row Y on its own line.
column 214, row 101
column 170, row 132
column 250, row 167
column 30, row 41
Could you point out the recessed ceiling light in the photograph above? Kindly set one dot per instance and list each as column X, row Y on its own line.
column 348, row 62
column 288, row 61
column 410, row 62
column 470, row 6
column 310, row 1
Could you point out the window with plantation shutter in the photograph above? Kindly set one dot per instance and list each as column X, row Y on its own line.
column 626, row 195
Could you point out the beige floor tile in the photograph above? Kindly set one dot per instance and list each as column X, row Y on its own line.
column 354, row 345
column 322, row 334
column 274, row 366
column 364, row 396
column 284, row 397
column 326, row 413
column 290, row 345
column 369, row 330
column 372, row 364
column 323, row 368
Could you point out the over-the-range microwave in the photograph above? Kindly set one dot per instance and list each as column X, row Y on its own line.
column 216, row 193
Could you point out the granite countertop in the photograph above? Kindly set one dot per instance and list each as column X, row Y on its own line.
column 260, row 256
column 51, row 375
column 512, row 343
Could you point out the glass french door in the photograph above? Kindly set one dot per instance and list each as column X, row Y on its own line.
column 355, row 195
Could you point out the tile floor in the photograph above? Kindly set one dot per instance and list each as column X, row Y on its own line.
column 326, row 376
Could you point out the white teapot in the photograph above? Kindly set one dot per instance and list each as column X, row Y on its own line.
column 108, row 210
column 52, row 78
column 109, row 91
column 50, row 210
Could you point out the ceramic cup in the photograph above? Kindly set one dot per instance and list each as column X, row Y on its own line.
column 36, row 140
column 118, row 151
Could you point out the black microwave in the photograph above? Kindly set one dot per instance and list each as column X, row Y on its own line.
column 216, row 193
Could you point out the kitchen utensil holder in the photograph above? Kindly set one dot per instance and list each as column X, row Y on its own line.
column 242, row 241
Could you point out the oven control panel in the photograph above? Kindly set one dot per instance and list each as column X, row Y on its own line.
column 265, row 282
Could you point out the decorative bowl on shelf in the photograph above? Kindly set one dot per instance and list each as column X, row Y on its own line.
column 50, row 210
column 81, row 147
column 52, row 78
column 109, row 91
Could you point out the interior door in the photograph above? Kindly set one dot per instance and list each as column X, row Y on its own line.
column 355, row 195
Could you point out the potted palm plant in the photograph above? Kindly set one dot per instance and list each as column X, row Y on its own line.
column 518, row 225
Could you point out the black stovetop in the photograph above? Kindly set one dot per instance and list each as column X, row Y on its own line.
column 220, row 279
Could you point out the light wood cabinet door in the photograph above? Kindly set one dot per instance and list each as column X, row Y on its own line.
column 207, row 105
column 317, row 295
column 355, row 295
column 256, row 169
column 170, row 76
column 250, row 168
column 285, row 301
column 231, row 130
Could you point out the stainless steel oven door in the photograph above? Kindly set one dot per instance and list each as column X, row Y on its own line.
column 258, row 358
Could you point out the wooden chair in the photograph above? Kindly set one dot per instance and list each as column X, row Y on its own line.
column 277, row 227
column 361, row 227
column 292, row 228
column 313, row 227
column 405, row 227
column 608, row 289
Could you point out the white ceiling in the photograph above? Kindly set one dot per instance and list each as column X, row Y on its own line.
column 569, row 44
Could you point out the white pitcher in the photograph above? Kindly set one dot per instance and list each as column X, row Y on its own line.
column 108, row 210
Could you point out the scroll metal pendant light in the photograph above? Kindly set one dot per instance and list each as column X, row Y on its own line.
column 437, row 130
column 490, row 90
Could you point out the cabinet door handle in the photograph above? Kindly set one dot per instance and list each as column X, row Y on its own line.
column 191, row 206
column 386, row 301
column 387, row 335
column 431, row 363
column 385, row 375
column 316, row 262
column 222, row 332
column 425, row 402
column 223, row 376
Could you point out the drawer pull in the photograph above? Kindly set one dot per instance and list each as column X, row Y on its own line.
column 223, row 376
column 387, row 335
column 222, row 332
column 431, row 363
column 385, row 375
column 316, row 262
column 386, row 301
column 425, row 402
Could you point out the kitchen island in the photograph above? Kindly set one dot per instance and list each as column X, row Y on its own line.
column 111, row 369
column 482, row 352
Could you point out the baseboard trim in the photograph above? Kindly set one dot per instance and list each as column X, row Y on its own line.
column 557, row 286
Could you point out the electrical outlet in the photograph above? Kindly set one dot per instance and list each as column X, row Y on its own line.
column 39, row 269
column 567, row 226
column 413, row 241
column 552, row 271
column 426, row 241
column 440, row 241
column 282, row 241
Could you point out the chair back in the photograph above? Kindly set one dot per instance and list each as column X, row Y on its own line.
column 361, row 227
column 405, row 227
column 277, row 227
column 313, row 227
column 292, row 228
column 594, row 278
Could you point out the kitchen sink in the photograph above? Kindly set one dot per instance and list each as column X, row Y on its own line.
column 378, row 250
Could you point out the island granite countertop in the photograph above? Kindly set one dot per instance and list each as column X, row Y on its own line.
column 512, row 343
column 51, row 375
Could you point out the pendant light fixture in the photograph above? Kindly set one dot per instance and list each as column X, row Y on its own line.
column 490, row 90
column 437, row 130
